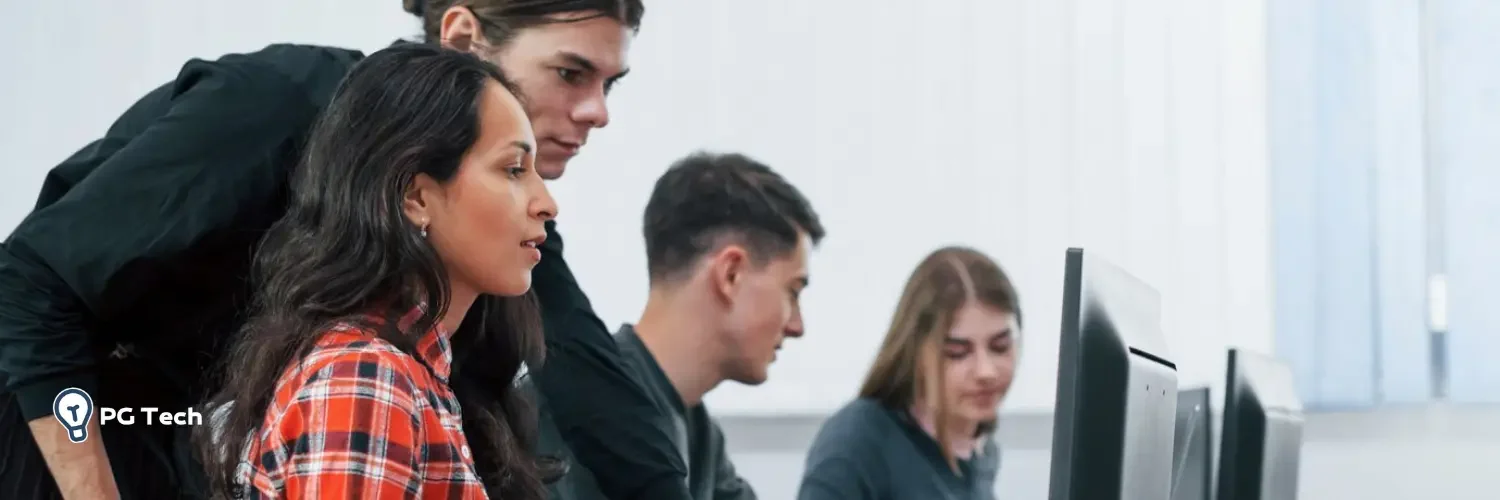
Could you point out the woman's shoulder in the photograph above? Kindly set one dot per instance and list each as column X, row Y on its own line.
column 849, row 452
column 347, row 354
column 860, row 424
column 344, row 341
column 861, row 412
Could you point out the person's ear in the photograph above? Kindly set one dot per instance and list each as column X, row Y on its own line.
column 460, row 30
column 418, row 201
column 728, row 271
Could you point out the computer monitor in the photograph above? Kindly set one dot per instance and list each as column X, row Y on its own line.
column 1192, row 446
column 1262, row 437
column 1116, row 388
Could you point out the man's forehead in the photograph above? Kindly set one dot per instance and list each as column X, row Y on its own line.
column 600, row 41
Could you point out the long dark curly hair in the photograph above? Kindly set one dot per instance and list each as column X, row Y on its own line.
column 345, row 249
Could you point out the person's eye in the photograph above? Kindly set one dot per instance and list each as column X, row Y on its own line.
column 570, row 75
column 956, row 351
column 516, row 172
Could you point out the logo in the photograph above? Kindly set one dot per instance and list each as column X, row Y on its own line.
column 74, row 408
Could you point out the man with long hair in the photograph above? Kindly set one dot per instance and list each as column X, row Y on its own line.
column 131, row 272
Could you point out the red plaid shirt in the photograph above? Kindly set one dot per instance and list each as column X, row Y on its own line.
column 358, row 418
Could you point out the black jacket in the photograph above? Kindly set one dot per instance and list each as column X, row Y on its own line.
column 143, row 239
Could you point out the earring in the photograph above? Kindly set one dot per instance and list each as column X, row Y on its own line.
column 424, row 230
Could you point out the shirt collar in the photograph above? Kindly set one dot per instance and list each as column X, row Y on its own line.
column 634, row 349
column 434, row 346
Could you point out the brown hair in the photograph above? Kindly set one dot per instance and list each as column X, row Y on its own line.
column 501, row 20
column 907, row 365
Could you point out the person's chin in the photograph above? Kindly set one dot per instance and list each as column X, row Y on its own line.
column 980, row 414
column 753, row 378
column 515, row 287
column 550, row 168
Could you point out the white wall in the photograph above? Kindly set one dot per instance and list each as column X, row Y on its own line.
column 1018, row 126
column 76, row 65
column 1021, row 127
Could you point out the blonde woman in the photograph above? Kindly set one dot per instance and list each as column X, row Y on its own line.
column 922, row 423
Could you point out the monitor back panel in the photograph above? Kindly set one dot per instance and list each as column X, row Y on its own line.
column 1282, row 456
column 1262, row 439
column 1150, row 422
column 1192, row 446
column 1132, row 309
column 1269, row 384
column 1117, row 389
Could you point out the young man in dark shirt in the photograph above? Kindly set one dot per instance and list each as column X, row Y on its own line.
column 727, row 241
column 130, row 272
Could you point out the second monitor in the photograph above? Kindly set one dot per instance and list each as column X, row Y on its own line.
column 1262, row 437
column 1116, row 388
column 1192, row 457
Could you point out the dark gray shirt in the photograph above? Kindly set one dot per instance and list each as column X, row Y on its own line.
column 711, row 476
column 869, row 452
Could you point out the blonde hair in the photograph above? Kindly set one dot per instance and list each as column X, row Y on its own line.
column 907, row 367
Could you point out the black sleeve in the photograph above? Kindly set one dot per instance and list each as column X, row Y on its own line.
column 604, row 414
column 206, row 151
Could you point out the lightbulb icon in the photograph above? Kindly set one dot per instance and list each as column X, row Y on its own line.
column 73, row 407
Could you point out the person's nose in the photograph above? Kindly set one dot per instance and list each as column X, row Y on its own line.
column 542, row 206
column 592, row 110
column 794, row 327
column 988, row 369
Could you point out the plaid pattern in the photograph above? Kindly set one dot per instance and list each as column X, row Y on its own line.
column 358, row 418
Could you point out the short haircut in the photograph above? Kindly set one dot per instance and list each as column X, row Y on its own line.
column 707, row 200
